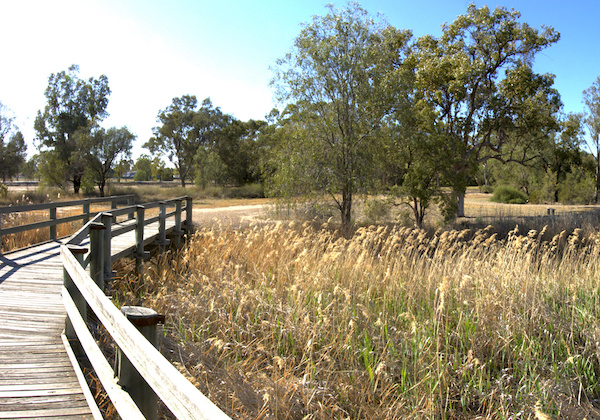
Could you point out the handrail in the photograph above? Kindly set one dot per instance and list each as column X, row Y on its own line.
column 57, row 204
column 83, row 232
column 83, row 290
column 53, row 219
column 181, row 397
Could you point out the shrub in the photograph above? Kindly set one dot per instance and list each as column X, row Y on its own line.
column 141, row 175
column 509, row 195
column 577, row 188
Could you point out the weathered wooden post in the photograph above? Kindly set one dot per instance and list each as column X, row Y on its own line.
column 188, row 214
column 53, row 226
column 177, row 232
column 145, row 320
column 86, row 211
column 162, row 231
column 107, row 220
column 78, row 252
column 130, row 204
column 97, row 253
column 140, row 255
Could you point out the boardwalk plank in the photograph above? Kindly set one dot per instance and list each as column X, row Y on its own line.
column 37, row 379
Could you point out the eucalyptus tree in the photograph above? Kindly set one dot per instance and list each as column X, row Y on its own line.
column 337, row 88
column 184, row 129
column 476, row 80
column 591, row 98
column 104, row 147
column 13, row 149
column 563, row 152
column 72, row 104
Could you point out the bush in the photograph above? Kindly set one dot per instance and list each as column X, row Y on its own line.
column 141, row 175
column 508, row 195
column 577, row 188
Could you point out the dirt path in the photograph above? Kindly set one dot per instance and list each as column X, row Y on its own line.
column 234, row 215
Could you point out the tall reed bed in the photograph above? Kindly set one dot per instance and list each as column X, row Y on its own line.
column 287, row 321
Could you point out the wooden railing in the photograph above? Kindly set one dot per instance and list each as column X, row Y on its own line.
column 53, row 220
column 82, row 291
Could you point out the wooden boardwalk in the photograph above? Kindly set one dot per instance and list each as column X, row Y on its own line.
column 37, row 378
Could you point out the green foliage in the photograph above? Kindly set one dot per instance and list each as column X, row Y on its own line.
column 144, row 164
column 3, row 191
column 88, row 183
column 209, row 168
column 104, row 147
column 13, row 152
column 578, row 188
column 509, row 195
column 591, row 98
column 166, row 174
column 72, row 105
column 53, row 170
column 339, row 84
column 183, row 131
column 464, row 98
column 141, row 175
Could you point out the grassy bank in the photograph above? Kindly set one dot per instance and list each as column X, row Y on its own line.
column 291, row 321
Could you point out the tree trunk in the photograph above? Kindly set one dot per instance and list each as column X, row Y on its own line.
column 346, row 211
column 556, row 187
column 460, row 204
column 76, row 183
column 419, row 212
column 597, row 176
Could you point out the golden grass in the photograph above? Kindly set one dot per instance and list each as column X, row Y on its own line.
column 287, row 321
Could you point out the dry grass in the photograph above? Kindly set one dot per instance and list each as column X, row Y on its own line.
column 287, row 321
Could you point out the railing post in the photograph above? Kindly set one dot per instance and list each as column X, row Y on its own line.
column 52, row 227
column 177, row 232
column 97, row 253
column 78, row 252
column 107, row 220
column 86, row 211
column 129, row 204
column 162, row 231
column 140, row 255
column 145, row 320
column 188, row 214
column 178, row 205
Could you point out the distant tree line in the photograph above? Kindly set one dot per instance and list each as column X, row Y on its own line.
column 365, row 108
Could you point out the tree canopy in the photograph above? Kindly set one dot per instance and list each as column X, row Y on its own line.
column 72, row 104
column 184, row 129
column 104, row 148
column 338, row 88
column 13, row 149
column 477, row 84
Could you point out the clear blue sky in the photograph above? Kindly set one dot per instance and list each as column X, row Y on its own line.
column 154, row 50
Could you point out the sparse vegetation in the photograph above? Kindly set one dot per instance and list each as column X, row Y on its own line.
column 281, row 320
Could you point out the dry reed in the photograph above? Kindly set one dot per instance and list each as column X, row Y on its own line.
column 286, row 321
